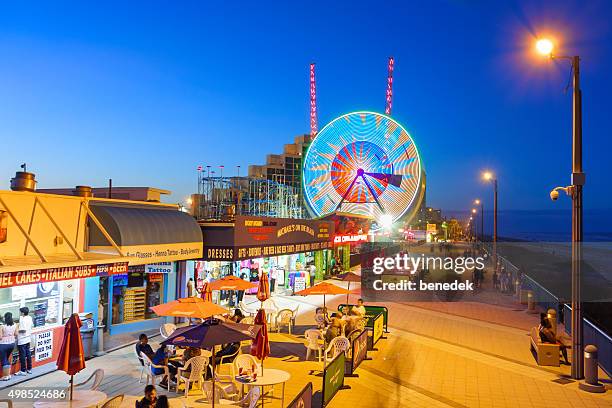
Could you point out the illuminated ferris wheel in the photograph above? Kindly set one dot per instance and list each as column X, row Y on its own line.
column 363, row 163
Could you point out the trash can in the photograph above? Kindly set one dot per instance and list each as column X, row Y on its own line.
column 87, row 333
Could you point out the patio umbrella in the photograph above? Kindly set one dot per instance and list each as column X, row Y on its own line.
column 209, row 334
column 323, row 288
column 231, row 282
column 348, row 277
column 71, row 357
column 206, row 292
column 260, row 347
column 191, row 307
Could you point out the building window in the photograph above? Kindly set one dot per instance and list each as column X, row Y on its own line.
column 134, row 293
column 50, row 303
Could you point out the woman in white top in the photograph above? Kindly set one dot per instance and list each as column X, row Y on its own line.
column 24, row 332
column 7, row 344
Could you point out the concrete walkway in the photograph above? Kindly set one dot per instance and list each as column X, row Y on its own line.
column 462, row 354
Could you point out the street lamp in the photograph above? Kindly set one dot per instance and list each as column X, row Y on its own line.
column 489, row 176
column 545, row 47
column 479, row 202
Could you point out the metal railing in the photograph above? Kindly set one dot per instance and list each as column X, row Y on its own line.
column 592, row 335
column 546, row 300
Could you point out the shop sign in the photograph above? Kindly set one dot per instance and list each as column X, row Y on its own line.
column 249, row 231
column 43, row 349
column 275, row 250
column 303, row 399
column 432, row 228
column 299, row 284
column 360, row 350
column 333, row 378
column 160, row 267
column 156, row 277
column 219, row 254
column 342, row 239
column 9, row 279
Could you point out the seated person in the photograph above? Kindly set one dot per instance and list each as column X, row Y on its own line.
column 162, row 402
column 335, row 328
column 345, row 310
column 321, row 317
column 227, row 350
column 150, row 398
column 548, row 336
column 143, row 347
column 160, row 358
column 360, row 308
column 187, row 355
column 237, row 316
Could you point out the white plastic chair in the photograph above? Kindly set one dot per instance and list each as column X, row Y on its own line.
column 114, row 402
column 149, row 366
column 193, row 371
column 248, row 320
column 246, row 362
column 228, row 390
column 249, row 401
column 167, row 329
column 338, row 345
column 245, row 310
column 96, row 379
column 284, row 317
column 141, row 361
column 315, row 339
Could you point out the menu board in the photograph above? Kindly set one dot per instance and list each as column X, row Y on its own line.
column 40, row 313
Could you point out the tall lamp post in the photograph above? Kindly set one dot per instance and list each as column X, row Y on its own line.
column 545, row 47
column 479, row 202
column 488, row 176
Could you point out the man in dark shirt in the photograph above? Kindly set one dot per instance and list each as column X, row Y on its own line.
column 143, row 347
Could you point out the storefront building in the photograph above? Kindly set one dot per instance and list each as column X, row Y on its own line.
column 286, row 249
column 63, row 254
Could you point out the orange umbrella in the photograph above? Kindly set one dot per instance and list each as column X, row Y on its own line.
column 260, row 347
column 192, row 307
column 323, row 288
column 206, row 292
column 231, row 282
column 348, row 277
column 71, row 357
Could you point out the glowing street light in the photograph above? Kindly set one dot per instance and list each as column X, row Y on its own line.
column 544, row 46
column 474, row 211
column 478, row 202
column 489, row 176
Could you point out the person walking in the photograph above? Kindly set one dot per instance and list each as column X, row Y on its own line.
column 24, row 332
column 7, row 345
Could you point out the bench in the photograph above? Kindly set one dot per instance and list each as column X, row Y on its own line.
column 546, row 354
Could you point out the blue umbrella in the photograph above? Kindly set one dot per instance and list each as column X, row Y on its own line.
column 209, row 334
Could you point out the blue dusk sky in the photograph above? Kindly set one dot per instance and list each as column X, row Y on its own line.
column 144, row 92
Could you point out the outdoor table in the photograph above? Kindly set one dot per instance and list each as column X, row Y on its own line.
column 80, row 399
column 271, row 376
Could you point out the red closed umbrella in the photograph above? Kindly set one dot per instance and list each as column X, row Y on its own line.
column 263, row 290
column 260, row 347
column 71, row 357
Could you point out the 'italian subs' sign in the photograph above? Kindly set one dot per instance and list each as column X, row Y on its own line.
column 19, row 278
